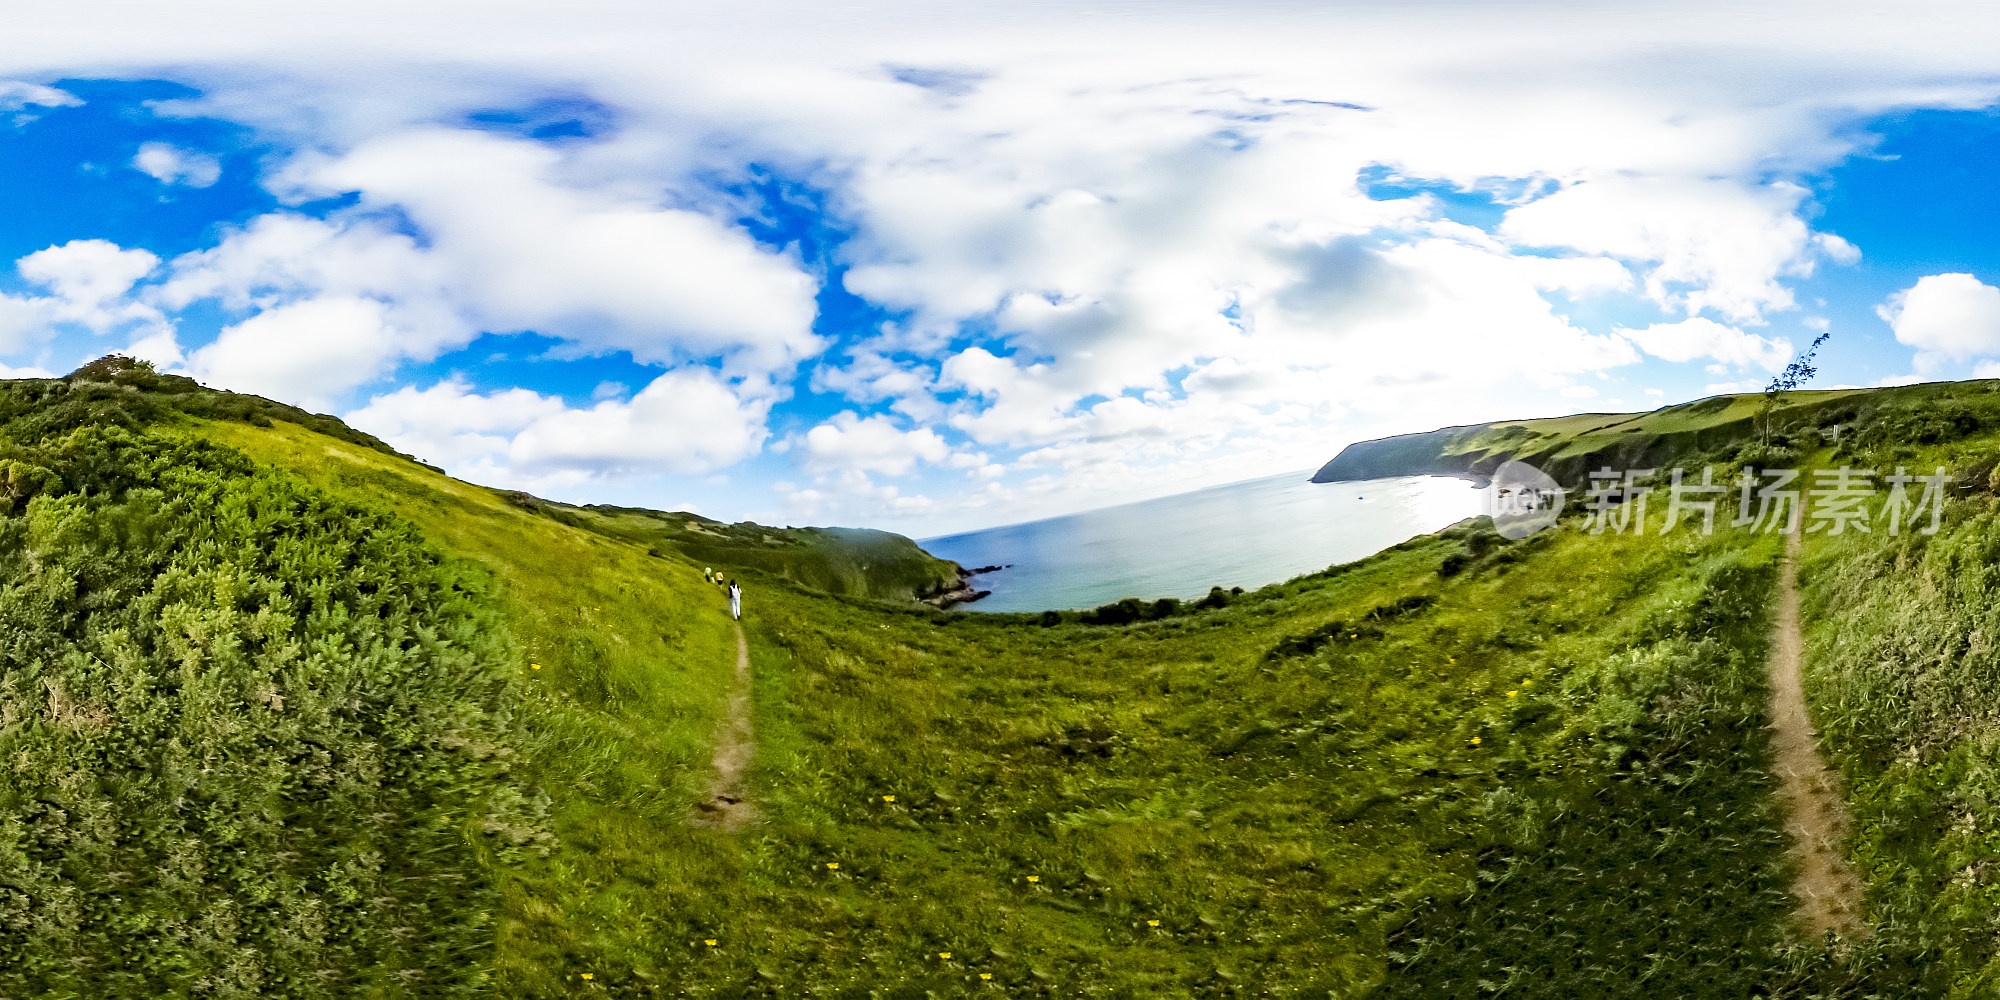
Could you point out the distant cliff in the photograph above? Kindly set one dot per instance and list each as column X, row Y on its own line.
column 1716, row 429
column 1428, row 453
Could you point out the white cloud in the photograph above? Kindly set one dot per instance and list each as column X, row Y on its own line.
column 1712, row 244
column 362, row 300
column 25, row 321
column 90, row 279
column 308, row 352
column 1946, row 317
column 451, row 425
column 87, row 283
column 522, row 249
column 19, row 95
column 1701, row 337
column 169, row 164
column 506, row 246
column 871, row 444
column 684, row 421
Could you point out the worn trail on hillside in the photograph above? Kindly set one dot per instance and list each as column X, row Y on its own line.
column 1828, row 891
column 728, row 806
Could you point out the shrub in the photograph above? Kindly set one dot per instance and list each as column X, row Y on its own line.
column 249, row 729
column 1766, row 455
column 1454, row 563
column 1122, row 612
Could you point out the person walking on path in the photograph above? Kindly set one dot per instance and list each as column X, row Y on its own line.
column 735, row 602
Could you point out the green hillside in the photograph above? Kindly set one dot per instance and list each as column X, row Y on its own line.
column 1720, row 429
column 290, row 715
column 853, row 562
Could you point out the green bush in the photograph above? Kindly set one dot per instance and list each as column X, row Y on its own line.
column 1124, row 612
column 252, row 736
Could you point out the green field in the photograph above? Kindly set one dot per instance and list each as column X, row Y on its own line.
column 1463, row 767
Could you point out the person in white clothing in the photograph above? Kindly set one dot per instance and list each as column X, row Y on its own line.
column 735, row 601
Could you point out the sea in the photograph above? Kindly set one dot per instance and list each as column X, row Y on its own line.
column 1243, row 534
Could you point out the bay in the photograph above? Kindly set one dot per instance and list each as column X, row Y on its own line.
column 1243, row 534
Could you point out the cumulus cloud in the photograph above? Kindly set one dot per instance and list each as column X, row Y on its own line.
column 331, row 305
column 90, row 279
column 503, row 245
column 88, row 283
column 684, row 421
column 169, row 164
column 870, row 444
column 1707, row 244
column 1701, row 337
column 1946, row 317
column 307, row 352
column 521, row 249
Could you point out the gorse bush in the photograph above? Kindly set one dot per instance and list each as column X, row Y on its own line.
column 254, row 737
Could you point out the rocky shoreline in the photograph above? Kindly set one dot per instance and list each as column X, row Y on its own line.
column 964, row 593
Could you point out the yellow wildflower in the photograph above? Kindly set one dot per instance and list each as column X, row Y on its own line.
column 888, row 798
column 537, row 666
column 709, row 942
column 1034, row 878
column 833, row 866
column 1152, row 923
column 588, row 976
column 1511, row 694
column 944, row 954
column 1475, row 741
column 986, row 975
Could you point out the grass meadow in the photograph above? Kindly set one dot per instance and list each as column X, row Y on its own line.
column 1463, row 767
column 1541, row 770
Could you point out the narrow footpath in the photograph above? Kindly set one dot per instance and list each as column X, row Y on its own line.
column 1828, row 891
column 727, row 806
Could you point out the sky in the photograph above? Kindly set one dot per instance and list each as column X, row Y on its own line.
column 936, row 267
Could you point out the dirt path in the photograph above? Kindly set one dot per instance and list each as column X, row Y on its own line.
column 1829, row 893
column 727, row 806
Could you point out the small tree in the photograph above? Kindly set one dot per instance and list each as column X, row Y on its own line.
column 1794, row 375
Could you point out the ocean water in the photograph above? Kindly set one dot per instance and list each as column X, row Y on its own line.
column 1244, row 534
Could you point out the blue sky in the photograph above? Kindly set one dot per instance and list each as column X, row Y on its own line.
column 979, row 270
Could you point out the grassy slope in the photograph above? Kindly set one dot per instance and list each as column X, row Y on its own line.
column 853, row 562
column 1278, row 783
column 635, row 652
column 1902, row 670
column 1568, row 445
